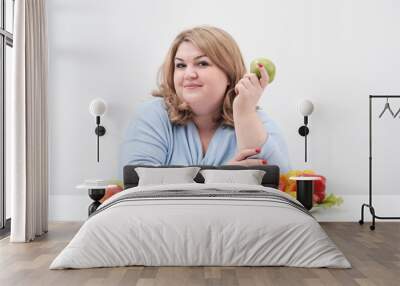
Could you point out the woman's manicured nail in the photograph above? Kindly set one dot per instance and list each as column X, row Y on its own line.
column 264, row 162
column 258, row 150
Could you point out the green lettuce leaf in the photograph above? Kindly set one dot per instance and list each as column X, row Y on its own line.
column 330, row 201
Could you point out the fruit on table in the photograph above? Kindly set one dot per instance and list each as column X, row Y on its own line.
column 319, row 188
column 110, row 191
column 268, row 65
column 290, row 186
column 282, row 183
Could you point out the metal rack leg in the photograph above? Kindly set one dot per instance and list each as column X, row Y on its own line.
column 374, row 216
column 361, row 221
column 372, row 210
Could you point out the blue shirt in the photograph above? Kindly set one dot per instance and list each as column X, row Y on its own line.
column 151, row 139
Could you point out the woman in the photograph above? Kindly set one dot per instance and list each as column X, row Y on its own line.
column 206, row 111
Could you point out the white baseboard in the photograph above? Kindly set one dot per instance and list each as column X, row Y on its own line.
column 68, row 207
column 350, row 210
column 75, row 208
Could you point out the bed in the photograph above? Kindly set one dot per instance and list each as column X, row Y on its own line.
column 201, row 224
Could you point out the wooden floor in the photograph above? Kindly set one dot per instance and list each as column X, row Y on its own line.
column 374, row 255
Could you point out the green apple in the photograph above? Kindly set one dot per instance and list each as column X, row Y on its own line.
column 268, row 65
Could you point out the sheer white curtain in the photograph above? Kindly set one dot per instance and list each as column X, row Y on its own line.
column 28, row 123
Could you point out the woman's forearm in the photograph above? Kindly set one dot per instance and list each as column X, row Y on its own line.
column 250, row 132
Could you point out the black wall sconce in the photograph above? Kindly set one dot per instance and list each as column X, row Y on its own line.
column 97, row 108
column 306, row 107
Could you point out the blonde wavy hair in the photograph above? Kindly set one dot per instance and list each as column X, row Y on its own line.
column 222, row 50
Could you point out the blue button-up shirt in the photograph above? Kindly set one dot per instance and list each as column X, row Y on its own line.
column 151, row 139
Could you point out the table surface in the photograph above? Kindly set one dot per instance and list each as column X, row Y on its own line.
column 92, row 187
column 305, row 178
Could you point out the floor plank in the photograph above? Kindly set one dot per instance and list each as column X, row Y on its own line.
column 374, row 255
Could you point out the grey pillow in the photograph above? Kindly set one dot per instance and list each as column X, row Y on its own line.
column 162, row 176
column 248, row 177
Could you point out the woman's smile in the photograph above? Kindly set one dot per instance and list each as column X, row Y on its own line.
column 191, row 86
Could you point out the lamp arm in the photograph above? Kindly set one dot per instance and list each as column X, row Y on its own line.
column 305, row 151
column 98, row 136
column 98, row 145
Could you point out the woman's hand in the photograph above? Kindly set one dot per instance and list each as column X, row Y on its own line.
column 242, row 158
column 249, row 90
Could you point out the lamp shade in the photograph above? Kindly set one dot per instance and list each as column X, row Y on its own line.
column 306, row 107
column 97, row 107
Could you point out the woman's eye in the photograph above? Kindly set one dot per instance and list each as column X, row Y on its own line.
column 203, row 64
column 179, row 66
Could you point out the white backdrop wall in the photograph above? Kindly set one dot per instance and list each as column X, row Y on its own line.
column 334, row 53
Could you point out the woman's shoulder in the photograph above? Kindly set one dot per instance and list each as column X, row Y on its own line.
column 150, row 113
column 154, row 108
column 154, row 104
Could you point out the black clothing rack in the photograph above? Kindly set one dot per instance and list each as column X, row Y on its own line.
column 369, row 205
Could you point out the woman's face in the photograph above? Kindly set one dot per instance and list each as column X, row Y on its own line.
column 198, row 81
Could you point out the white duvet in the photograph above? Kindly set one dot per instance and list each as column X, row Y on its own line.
column 183, row 231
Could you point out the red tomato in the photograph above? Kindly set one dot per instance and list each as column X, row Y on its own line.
column 319, row 188
column 110, row 191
